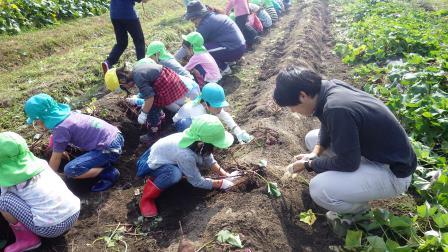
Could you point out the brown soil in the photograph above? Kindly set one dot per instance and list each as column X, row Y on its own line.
column 301, row 38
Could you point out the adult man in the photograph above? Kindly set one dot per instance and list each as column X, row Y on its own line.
column 361, row 152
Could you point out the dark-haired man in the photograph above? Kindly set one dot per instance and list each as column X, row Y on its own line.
column 361, row 152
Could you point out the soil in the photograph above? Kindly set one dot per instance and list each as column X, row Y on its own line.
column 301, row 38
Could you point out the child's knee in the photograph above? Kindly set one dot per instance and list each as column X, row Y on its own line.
column 74, row 169
column 176, row 175
column 7, row 201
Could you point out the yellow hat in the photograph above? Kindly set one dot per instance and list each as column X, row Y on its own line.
column 111, row 79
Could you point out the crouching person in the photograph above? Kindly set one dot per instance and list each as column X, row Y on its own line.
column 34, row 199
column 179, row 155
column 102, row 141
column 159, row 87
column 361, row 152
column 211, row 101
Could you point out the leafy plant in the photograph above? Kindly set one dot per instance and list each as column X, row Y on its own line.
column 225, row 236
column 308, row 217
column 400, row 54
column 19, row 14
column 111, row 241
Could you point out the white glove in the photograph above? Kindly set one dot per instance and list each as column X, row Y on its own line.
column 234, row 175
column 132, row 100
column 142, row 117
column 244, row 137
column 226, row 184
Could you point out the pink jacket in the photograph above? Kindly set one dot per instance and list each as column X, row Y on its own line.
column 241, row 7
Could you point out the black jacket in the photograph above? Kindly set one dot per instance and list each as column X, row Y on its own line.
column 356, row 124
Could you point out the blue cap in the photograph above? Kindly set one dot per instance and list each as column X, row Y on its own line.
column 43, row 107
column 214, row 95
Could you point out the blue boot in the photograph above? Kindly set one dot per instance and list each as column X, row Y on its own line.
column 107, row 179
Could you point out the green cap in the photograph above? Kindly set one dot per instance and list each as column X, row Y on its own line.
column 43, row 107
column 207, row 129
column 17, row 162
column 158, row 47
column 196, row 40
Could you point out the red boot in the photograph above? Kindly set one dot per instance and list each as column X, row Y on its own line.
column 151, row 192
column 25, row 239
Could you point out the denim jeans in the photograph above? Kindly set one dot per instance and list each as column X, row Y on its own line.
column 163, row 177
column 121, row 28
column 95, row 158
column 182, row 124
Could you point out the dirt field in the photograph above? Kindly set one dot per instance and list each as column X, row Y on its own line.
column 302, row 38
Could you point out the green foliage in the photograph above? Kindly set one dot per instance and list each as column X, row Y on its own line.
column 308, row 217
column 273, row 190
column 353, row 239
column 17, row 15
column 225, row 236
column 400, row 52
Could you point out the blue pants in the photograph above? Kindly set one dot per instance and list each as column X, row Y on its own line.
column 95, row 158
column 182, row 124
column 163, row 177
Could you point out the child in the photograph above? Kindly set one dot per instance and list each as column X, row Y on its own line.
column 211, row 101
column 179, row 155
column 268, row 5
column 159, row 86
column 157, row 51
column 241, row 9
column 102, row 141
column 201, row 60
column 124, row 20
column 34, row 199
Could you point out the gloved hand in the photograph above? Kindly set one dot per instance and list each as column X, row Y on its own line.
column 142, row 117
column 234, row 175
column 244, row 137
column 226, row 184
column 135, row 100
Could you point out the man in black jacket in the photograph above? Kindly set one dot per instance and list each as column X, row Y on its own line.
column 361, row 152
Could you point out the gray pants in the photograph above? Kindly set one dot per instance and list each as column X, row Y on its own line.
column 350, row 192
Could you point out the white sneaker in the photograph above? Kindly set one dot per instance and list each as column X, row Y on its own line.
column 226, row 71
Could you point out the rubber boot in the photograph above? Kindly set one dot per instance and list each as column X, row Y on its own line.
column 148, row 206
column 25, row 239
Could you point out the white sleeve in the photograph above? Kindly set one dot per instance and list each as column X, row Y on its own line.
column 227, row 119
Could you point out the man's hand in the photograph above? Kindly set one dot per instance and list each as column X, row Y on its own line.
column 142, row 117
column 305, row 157
column 296, row 167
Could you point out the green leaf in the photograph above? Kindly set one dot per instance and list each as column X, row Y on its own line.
column 441, row 220
column 308, row 217
column 353, row 239
column 426, row 210
column 421, row 184
column 400, row 222
column 225, row 236
column 376, row 244
column 273, row 190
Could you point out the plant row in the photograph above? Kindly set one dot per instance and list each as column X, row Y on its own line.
column 399, row 52
column 16, row 15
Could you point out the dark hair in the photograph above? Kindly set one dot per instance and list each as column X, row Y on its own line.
column 202, row 148
column 123, row 76
column 186, row 44
column 293, row 80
